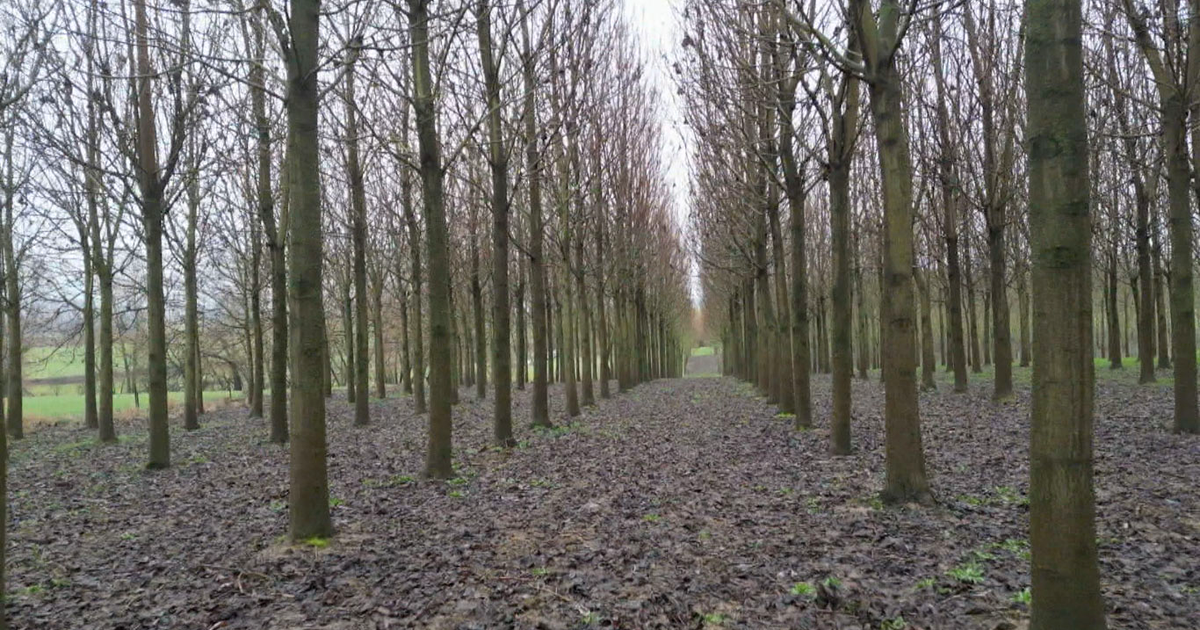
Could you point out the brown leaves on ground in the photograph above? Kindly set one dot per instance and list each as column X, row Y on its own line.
column 679, row 504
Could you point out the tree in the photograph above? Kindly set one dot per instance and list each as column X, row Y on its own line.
column 437, row 459
column 540, row 407
column 274, row 228
column 357, row 367
column 308, row 496
column 497, row 156
column 1066, row 579
column 1175, row 80
column 880, row 39
column 152, row 184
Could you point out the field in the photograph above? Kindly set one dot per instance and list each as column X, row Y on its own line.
column 54, row 385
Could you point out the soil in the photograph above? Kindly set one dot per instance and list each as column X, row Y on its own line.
column 681, row 503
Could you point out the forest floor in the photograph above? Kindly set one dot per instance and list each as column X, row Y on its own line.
column 682, row 503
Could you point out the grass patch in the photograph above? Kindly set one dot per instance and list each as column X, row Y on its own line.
column 68, row 406
column 703, row 351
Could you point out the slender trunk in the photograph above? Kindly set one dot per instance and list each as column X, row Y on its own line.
column 437, row 462
column 275, row 230
column 602, row 344
column 972, row 314
column 987, row 325
column 927, row 360
column 537, row 264
column 308, row 494
column 1160, row 310
column 406, row 375
column 380, row 363
column 12, row 307
column 1066, row 578
column 840, row 149
column 348, row 342
column 418, row 326
column 191, row 312
column 105, row 384
column 1023, row 304
column 864, row 338
column 152, row 217
column 479, row 352
column 358, row 237
column 905, row 459
column 502, row 433
column 89, row 237
column 1114, row 323
column 586, row 393
column 522, row 369
column 1179, row 222
column 949, row 199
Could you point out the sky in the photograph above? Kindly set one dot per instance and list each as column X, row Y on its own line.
column 657, row 23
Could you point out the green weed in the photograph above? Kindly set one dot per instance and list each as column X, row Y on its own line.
column 803, row 588
column 969, row 573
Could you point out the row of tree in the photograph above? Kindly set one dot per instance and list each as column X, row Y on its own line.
column 885, row 136
column 459, row 194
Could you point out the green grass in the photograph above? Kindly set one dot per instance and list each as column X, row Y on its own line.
column 71, row 405
column 703, row 351
column 65, row 362
column 1023, row 376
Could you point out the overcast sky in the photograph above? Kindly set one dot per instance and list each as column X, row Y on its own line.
column 657, row 22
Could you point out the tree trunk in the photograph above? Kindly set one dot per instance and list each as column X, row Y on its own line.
column 418, row 326
column 1114, row 323
column 152, row 217
column 191, row 326
column 105, row 384
column 378, row 343
column 12, row 306
column 927, row 360
column 348, row 344
column 406, row 372
column 275, row 231
column 540, row 406
column 987, row 325
column 1179, row 222
column 308, row 494
column 1066, row 580
column 522, row 370
column 502, row 433
column 601, row 308
column 1023, row 304
column 841, row 148
column 949, row 199
column 584, row 320
column 358, row 238
column 905, row 459
column 437, row 462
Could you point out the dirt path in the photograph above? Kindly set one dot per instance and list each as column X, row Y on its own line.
column 704, row 365
column 678, row 504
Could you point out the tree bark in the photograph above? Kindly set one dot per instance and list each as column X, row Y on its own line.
column 437, row 461
column 1066, row 579
column 949, row 199
column 151, row 190
column 540, row 406
column 308, row 495
column 905, row 459
column 502, row 433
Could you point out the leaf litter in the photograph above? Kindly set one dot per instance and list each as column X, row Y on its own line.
column 678, row 504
